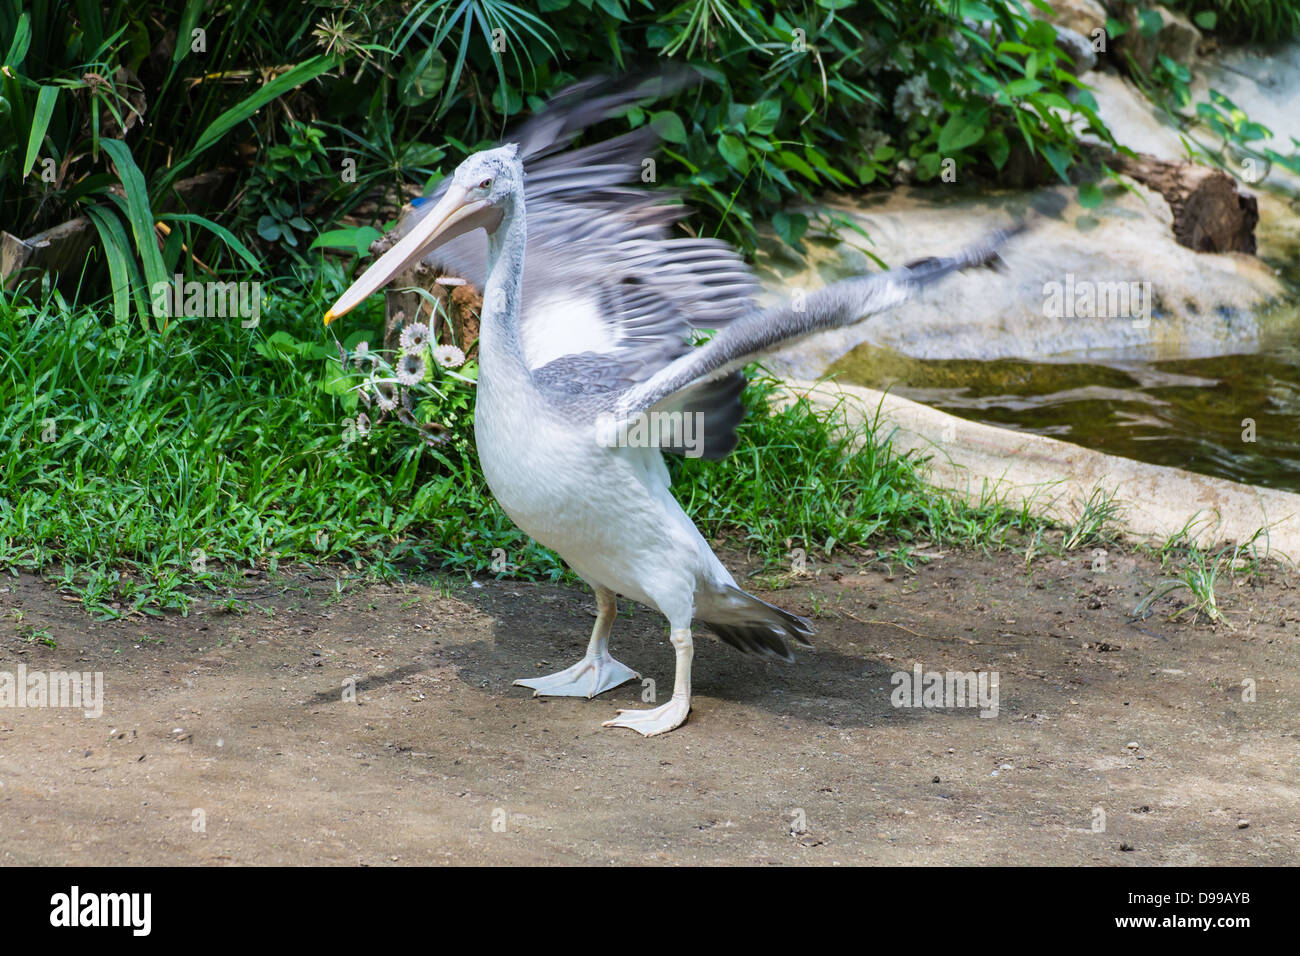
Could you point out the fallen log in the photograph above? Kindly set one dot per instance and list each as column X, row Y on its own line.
column 1212, row 213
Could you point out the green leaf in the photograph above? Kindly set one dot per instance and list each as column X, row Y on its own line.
column 139, row 213
column 1057, row 158
column 792, row 161
column 761, row 118
column 734, row 152
column 614, row 8
column 998, row 148
column 1149, row 22
column 40, row 123
column 117, row 254
column 976, row 11
column 268, row 228
column 817, row 159
column 962, row 129
column 1089, row 195
column 1206, row 19
column 418, row 84
column 221, row 232
column 790, row 226
column 669, row 126
column 1040, row 34
column 1023, row 87
column 185, row 30
column 22, row 41
column 509, row 104
column 357, row 239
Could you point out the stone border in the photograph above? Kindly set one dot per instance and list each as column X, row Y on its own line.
column 1054, row 477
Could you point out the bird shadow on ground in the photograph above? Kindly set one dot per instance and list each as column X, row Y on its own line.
column 824, row 684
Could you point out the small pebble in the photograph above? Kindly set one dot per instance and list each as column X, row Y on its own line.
column 1242, row 824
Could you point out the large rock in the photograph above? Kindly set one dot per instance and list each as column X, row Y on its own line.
column 1078, row 47
column 1081, row 16
column 1177, row 37
column 1179, row 302
column 1080, row 29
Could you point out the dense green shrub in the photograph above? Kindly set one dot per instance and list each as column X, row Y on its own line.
column 328, row 110
column 1237, row 20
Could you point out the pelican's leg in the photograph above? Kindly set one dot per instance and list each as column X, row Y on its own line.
column 597, row 672
column 669, row 716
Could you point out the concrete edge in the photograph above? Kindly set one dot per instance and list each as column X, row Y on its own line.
column 1054, row 478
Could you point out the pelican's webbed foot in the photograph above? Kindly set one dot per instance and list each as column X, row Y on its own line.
column 657, row 720
column 594, row 674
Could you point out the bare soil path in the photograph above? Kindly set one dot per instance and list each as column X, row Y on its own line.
column 226, row 737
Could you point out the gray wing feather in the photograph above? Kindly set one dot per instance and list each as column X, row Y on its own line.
column 843, row 303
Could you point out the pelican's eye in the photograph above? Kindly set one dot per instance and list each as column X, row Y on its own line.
column 485, row 184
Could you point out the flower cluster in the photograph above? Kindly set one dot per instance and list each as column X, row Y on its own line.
column 402, row 384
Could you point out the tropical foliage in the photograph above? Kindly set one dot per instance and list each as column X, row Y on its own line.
column 328, row 114
column 1265, row 20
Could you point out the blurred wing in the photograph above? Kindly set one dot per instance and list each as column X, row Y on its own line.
column 602, row 271
column 610, row 295
column 843, row 303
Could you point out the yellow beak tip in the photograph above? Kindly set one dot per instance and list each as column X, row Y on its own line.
column 330, row 316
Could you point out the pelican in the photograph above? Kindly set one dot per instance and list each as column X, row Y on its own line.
column 588, row 374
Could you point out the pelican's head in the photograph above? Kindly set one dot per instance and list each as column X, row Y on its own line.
column 480, row 192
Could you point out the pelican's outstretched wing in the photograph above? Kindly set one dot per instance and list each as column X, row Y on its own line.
column 611, row 296
column 843, row 303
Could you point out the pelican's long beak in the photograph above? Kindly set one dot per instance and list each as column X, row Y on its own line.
column 455, row 215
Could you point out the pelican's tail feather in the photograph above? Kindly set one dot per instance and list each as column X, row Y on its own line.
column 752, row 626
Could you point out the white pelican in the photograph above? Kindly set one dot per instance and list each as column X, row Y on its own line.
column 588, row 310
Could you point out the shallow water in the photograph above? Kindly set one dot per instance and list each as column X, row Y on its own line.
column 1191, row 413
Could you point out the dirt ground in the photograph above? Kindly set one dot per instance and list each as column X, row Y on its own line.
column 226, row 737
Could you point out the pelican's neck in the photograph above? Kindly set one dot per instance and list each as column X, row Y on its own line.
column 499, row 340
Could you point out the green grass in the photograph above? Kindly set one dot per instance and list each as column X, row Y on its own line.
column 1199, row 572
column 174, row 458
column 141, row 468
column 1098, row 520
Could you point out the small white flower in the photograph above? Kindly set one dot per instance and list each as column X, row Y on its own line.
column 410, row 370
column 361, row 355
column 415, row 338
column 384, row 397
column 363, row 424
column 448, row 356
